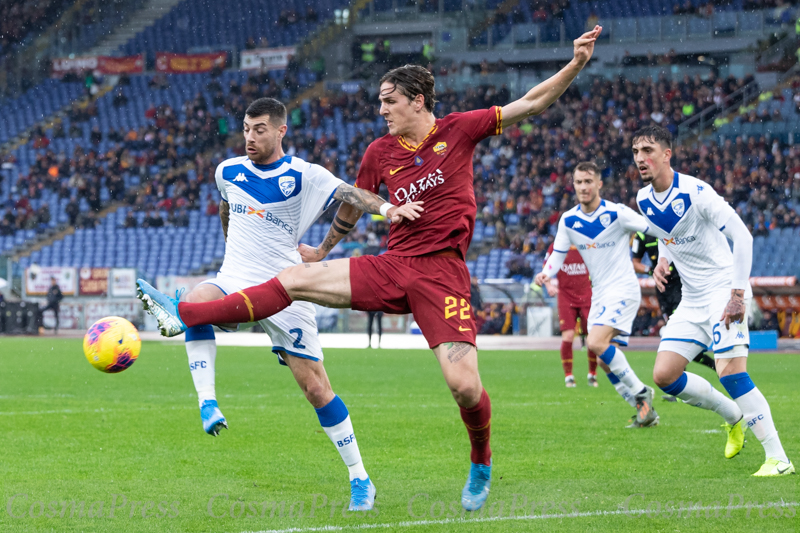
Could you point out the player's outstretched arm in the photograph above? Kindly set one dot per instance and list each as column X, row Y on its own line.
column 224, row 217
column 543, row 95
column 355, row 202
column 368, row 202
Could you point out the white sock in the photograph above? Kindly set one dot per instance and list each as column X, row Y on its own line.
column 335, row 420
column 622, row 390
column 202, row 357
column 696, row 391
column 619, row 366
column 756, row 412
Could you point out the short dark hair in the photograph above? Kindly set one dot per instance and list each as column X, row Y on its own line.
column 655, row 134
column 588, row 166
column 271, row 107
column 412, row 80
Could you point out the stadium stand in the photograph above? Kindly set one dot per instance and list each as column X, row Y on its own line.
column 237, row 24
column 521, row 177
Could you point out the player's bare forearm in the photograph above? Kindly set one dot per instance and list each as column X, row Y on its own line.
column 343, row 223
column 224, row 217
column 542, row 96
column 362, row 200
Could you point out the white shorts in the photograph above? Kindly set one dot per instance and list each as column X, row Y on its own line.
column 293, row 330
column 616, row 313
column 691, row 330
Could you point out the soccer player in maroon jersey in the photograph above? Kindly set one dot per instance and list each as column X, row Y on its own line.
column 574, row 292
column 422, row 159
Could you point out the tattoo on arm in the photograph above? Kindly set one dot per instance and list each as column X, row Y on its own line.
column 224, row 217
column 359, row 198
column 456, row 351
column 340, row 227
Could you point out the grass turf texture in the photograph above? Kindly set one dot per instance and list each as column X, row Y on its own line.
column 74, row 434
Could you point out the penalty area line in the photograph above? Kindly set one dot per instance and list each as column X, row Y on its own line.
column 587, row 514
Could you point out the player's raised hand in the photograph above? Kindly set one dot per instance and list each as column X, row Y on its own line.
column 660, row 273
column 310, row 254
column 584, row 45
column 410, row 211
column 734, row 311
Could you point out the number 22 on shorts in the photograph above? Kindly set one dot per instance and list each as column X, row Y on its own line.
column 452, row 308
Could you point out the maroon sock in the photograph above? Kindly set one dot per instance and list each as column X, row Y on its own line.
column 478, row 421
column 592, row 363
column 566, row 357
column 249, row 305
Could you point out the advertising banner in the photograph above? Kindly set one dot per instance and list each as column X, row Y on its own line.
column 93, row 281
column 123, row 282
column 169, row 284
column 266, row 58
column 189, row 63
column 37, row 280
column 102, row 64
column 128, row 309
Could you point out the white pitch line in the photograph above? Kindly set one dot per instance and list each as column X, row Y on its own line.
column 587, row 514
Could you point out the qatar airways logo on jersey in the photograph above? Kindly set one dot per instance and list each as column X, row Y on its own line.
column 430, row 181
column 677, row 241
column 263, row 214
column 596, row 245
column 574, row 269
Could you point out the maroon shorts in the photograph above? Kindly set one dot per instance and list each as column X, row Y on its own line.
column 568, row 314
column 433, row 287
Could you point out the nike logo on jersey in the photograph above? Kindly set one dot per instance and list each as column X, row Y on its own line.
column 394, row 171
column 240, row 177
column 577, row 225
column 462, row 328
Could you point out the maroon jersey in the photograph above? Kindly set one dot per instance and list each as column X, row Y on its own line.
column 437, row 172
column 573, row 278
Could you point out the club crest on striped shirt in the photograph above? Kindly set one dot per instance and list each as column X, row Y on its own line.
column 605, row 219
column 287, row 184
column 678, row 207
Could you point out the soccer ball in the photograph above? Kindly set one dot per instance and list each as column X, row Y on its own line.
column 112, row 344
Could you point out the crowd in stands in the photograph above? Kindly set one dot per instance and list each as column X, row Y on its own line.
column 20, row 18
column 173, row 140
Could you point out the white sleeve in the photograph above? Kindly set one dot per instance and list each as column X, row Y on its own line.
column 561, row 246
column 318, row 188
column 631, row 220
column 713, row 207
column 220, row 183
column 737, row 232
column 663, row 251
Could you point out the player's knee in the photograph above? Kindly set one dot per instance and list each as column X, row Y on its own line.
column 317, row 392
column 598, row 346
column 466, row 393
column 664, row 377
column 568, row 335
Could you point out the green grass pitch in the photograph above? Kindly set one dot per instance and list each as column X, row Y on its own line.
column 81, row 443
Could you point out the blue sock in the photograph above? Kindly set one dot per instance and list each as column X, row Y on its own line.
column 677, row 387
